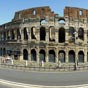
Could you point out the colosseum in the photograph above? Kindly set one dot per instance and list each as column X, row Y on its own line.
column 38, row 34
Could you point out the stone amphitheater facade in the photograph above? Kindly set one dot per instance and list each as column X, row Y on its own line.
column 38, row 34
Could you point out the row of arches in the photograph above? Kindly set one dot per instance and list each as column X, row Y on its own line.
column 10, row 35
column 52, row 56
column 41, row 34
column 61, row 33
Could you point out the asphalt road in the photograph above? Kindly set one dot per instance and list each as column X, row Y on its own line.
column 4, row 86
column 43, row 78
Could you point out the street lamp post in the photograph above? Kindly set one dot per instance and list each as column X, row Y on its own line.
column 76, row 62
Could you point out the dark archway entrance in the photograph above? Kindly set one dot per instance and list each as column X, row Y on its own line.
column 61, row 35
column 25, row 54
column 72, row 35
column 71, row 56
column 51, row 56
column 62, row 56
column 81, row 56
column 25, row 34
column 42, row 33
column 12, row 35
column 42, row 55
column 33, row 55
column 81, row 33
column 0, row 51
column 4, row 51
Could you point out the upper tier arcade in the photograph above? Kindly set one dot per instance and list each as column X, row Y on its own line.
column 38, row 12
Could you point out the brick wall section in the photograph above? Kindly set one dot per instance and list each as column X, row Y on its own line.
column 75, row 12
column 41, row 12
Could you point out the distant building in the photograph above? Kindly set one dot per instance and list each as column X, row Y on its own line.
column 38, row 34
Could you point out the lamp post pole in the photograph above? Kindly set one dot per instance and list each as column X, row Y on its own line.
column 76, row 62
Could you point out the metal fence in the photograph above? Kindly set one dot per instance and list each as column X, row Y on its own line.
column 49, row 69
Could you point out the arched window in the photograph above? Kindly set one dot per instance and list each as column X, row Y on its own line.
column 52, row 33
column 61, row 35
column 34, row 12
column 33, row 55
column 12, row 34
column 61, row 21
column 51, row 56
column 43, row 22
column 4, row 35
column 0, row 51
column 71, row 56
column 4, row 51
column 25, row 34
column 81, row 33
column 18, row 34
column 33, row 33
column 62, row 56
column 42, row 33
column 71, row 33
column 81, row 56
column 42, row 55
column 25, row 54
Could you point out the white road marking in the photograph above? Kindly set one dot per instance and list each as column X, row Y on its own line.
column 22, row 85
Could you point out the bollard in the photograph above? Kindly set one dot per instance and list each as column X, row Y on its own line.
column 26, row 63
column 12, row 61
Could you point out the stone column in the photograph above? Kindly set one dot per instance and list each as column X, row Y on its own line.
column 67, row 57
column 27, row 32
column 29, row 54
column 76, row 57
column 15, row 34
column 37, row 52
column 47, row 35
column 47, row 55
column 38, row 33
column 66, row 37
column 56, row 55
column 22, row 35
column 85, row 55
column 0, row 36
column 29, row 36
column 85, row 37
column 21, row 55
column 56, row 36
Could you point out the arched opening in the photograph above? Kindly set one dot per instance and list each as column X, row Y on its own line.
column 62, row 56
column 81, row 33
column 33, row 33
column 61, row 21
column 43, row 22
column 12, row 35
column 81, row 56
column 25, row 54
column 4, row 35
column 51, row 56
column 87, row 56
column 71, row 56
column 4, row 51
column 33, row 55
column 42, row 33
column 34, row 12
column 52, row 34
column 16, row 54
column 18, row 34
column 71, row 34
column 61, row 35
column 42, row 55
column 25, row 34
column 0, row 51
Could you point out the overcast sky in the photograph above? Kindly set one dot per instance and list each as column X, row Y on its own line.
column 9, row 7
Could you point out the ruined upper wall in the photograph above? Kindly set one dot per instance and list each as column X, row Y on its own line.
column 75, row 12
column 39, row 12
